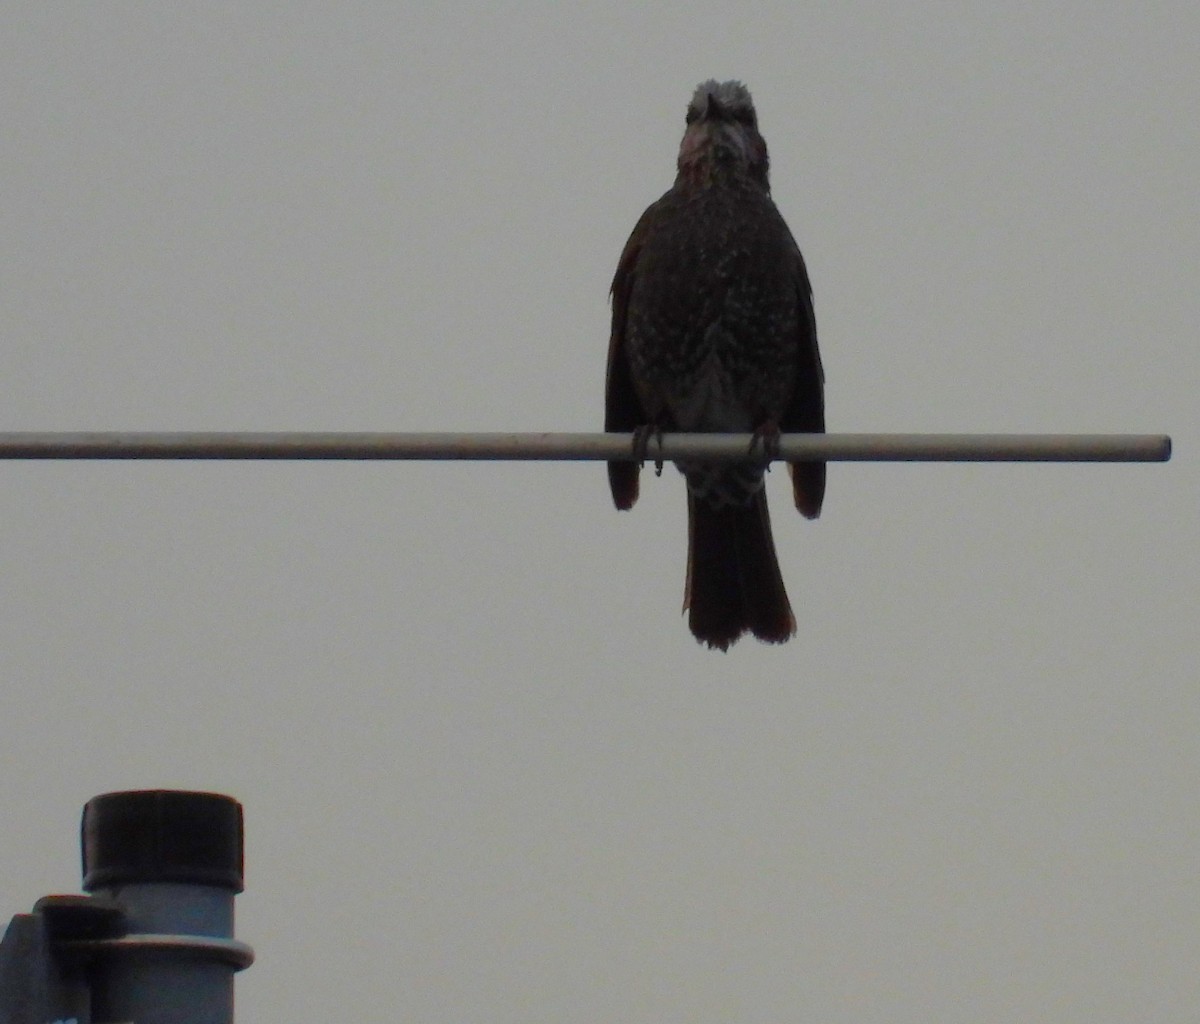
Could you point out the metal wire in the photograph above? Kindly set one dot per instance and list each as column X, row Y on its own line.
column 588, row 447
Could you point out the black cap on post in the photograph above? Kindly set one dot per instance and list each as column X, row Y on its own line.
column 160, row 835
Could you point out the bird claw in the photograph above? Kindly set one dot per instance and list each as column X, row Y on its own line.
column 766, row 439
column 641, row 444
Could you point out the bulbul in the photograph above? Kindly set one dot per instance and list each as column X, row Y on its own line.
column 713, row 331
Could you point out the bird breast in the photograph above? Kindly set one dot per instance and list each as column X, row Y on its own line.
column 713, row 316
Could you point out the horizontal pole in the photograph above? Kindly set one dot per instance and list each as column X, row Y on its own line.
column 588, row 447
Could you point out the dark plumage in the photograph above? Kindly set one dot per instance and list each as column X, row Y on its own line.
column 713, row 331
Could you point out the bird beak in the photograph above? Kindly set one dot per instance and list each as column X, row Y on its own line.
column 712, row 108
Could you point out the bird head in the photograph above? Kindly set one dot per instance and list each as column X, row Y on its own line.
column 722, row 140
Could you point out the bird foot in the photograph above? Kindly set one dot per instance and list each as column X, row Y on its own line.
column 765, row 440
column 641, row 444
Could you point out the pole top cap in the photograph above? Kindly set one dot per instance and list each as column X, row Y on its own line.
column 161, row 835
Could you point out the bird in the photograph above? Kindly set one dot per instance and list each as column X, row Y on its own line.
column 713, row 330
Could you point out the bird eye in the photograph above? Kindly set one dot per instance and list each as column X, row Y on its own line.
column 746, row 117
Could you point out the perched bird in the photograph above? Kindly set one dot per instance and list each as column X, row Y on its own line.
column 713, row 331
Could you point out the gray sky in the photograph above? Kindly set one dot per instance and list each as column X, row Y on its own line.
column 488, row 775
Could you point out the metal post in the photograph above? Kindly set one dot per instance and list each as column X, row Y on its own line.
column 173, row 861
column 154, row 944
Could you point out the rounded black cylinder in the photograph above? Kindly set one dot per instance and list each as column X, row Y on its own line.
column 160, row 835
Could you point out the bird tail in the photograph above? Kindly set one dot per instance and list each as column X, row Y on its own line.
column 733, row 579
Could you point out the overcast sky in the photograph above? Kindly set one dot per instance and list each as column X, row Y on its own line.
column 488, row 775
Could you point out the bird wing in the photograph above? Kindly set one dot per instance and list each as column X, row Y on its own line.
column 805, row 412
column 622, row 408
